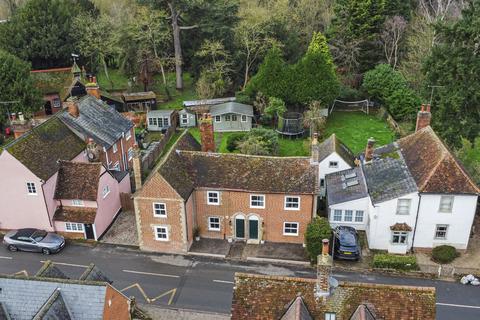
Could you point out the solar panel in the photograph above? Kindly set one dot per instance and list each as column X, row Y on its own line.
column 351, row 175
column 351, row 183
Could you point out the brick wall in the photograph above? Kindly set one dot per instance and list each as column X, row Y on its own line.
column 117, row 306
column 114, row 157
column 271, row 218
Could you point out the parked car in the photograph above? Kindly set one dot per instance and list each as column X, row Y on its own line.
column 347, row 244
column 34, row 240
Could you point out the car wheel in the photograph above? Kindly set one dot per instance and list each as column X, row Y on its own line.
column 45, row 251
column 12, row 248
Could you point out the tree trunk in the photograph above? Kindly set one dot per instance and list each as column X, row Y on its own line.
column 178, row 48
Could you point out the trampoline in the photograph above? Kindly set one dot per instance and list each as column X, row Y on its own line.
column 290, row 124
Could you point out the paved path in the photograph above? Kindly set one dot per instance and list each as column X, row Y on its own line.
column 203, row 284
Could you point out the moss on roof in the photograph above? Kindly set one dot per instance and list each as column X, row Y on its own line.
column 40, row 148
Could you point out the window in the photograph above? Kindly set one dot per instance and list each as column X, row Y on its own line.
column 31, row 188
column 159, row 209
column 322, row 183
column 73, row 227
column 116, row 166
column 337, row 215
column 214, row 223
column 218, row 119
column 257, row 201
column 441, row 231
column 348, row 216
column 234, row 117
column 184, row 118
column 359, row 216
column 333, row 164
column 403, row 206
column 77, row 203
column 213, row 198
column 105, row 191
column 227, row 117
column 330, row 316
column 130, row 154
column 128, row 135
column 446, row 204
column 152, row 121
column 163, row 122
column 115, row 149
column 161, row 233
column 56, row 103
column 290, row 228
column 399, row 237
column 244, row 118
column 292, row 203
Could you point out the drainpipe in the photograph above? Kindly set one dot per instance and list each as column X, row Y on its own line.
column 123, row 154
column 46, row 206
column 106, row 157
column 416, row 220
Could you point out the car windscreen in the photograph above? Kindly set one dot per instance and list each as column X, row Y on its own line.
column 38, row 235
column 347, row 239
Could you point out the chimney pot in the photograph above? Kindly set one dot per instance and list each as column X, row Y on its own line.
column 424, row 118
column 370, row 149
column 325, row 247
column 73, row 109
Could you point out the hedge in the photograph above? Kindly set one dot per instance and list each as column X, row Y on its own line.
column 444, row 254
column 391, row 261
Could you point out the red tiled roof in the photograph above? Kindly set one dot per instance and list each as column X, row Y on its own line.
column 268, row 297
column 78, row 180
column 75, row 214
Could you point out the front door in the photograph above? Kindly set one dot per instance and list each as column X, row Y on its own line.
column 48, row 108
column 253, row 229
column 89, row 231
column 239, row 228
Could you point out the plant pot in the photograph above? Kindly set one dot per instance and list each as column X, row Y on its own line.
column 197, row 238
column 230, row 240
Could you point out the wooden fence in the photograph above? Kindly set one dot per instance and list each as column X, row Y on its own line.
column 126, row 201
column 155, row 150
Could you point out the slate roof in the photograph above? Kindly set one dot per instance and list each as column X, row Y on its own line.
column 231, row 107
column 433, row 166
column 75, row 214
column 54, row 308
column 3, row 312
column 98, row 121
column 186, row 169
column 78, row 180
column 388, row 179
column 268, row 298
column 297, row 311
column 337, row 189
column 93, row 273
column 333, row 144
column 25, row 297
column 40, row 148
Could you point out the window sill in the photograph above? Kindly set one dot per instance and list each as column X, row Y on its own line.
column 291, row 209
column 290, row 234
column 162, row 240
column 159, row 215
column 214, row 230
column 252, row 207
column 213, row 204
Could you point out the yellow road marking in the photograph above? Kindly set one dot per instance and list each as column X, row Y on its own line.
column 23, row 272
column 150, row 300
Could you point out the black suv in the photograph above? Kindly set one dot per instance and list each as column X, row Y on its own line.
column 347, row 244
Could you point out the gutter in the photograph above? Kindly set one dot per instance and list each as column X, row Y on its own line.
column 416, row 220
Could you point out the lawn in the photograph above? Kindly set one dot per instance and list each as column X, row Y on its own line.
column 354, row 129
column 120, row 83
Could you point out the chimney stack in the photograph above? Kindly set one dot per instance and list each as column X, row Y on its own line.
column 72, row 108
column 324, row 269
column 206, row 133
column 424, row 117
column 369, row 150
column 92, row 88
column 315, row 149
column 137, row 167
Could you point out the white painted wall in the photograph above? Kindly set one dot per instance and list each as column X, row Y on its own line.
column 325, row 169
column 459, row 220
column 382, row 216
column 359, row 204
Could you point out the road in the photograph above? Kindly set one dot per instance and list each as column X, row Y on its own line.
column 204, row 284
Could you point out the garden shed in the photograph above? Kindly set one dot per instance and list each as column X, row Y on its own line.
column 159, row 120
column 232, row 116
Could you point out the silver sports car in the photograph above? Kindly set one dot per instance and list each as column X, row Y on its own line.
column 34, row 240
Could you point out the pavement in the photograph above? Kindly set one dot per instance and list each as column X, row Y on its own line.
column 197, row 283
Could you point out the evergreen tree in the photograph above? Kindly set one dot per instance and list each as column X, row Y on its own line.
column 455, row 65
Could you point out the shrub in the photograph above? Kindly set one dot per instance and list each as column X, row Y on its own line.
column 276, row 107
column 444, row 254
column 317, row 230
column 259, row 141
column 392, row 261
column 233, row 140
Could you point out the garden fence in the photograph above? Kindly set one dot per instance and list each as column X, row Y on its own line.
column 155, row 149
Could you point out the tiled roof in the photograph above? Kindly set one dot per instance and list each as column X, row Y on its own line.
column 364, row 312
column 333, row 144
column 78, row 180
column 98, row 121
column 231, row 107
column 184, row 170
column 52, row 80
column 75, row 214
column 297, row 311
column 388, row 179
column 268, row 297
column 40, row 148
column 54, row 308
column 400, row 227
column 433, row 166
column 24, row 297
column 346, row 185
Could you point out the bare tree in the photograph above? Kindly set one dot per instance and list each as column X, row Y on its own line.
column 346, row 52
column 393, row 32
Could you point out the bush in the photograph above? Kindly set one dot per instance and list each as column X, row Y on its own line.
column 317, row 230
column 444, row 254
column 392, row 261
column 259, row 141
column 233, row 140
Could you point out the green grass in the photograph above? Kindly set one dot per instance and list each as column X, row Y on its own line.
column 120, row 82
column 354, row 129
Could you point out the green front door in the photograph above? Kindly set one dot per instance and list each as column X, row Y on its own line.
column 253, row 229
column 239, row 228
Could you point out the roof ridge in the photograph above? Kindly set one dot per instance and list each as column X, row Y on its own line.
column 240, row 155
column 54, row 280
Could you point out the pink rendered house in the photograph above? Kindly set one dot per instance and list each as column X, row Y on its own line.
column 28, row 179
